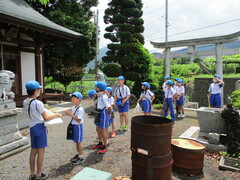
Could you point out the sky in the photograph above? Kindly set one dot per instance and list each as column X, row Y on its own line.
column 184, row 17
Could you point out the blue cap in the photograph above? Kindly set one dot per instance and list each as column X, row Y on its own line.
column 167, row 77
column 180, row 80
column 30, row 85
column 169, row 82
column 146, row 84
column 109, row 89
column 101, row 85
column 218, row 76
column 91, row 93
column 78, row 95
column 176, row 79
column 121, row 78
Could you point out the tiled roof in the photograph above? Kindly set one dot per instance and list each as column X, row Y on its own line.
column 20, row 13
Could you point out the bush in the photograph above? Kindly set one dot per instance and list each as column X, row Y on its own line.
column 158, row 106
column 236, row 98
column 112, row 70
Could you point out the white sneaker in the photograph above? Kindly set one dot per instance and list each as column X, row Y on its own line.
column 183, row 115
column 179, row 115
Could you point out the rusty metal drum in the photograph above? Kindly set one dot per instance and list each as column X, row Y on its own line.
column 188, row 156
column 151, row 135
column 151, row 167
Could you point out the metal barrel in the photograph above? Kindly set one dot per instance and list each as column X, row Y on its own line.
column 188, row 156
column 151, row 148
column 151, row 134
column 151, row 167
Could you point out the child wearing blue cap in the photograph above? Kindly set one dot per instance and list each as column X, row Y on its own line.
column 215, row 90
column 121, row 100
column 104, row 110
column 36, row 113
column 170, row 95
column 77, row 119
column 180, row 98
column 111, row 101
column 166, row 78
column 147, row 97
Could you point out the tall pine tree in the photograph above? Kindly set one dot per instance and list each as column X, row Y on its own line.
column 125, row 31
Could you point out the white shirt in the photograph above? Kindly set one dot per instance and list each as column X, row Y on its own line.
column 102, row 102
column 169, row 93
column 36, row 110
column 164, row 87
column 215, row 88
column 111, row 100
column 148, row 95
column 122, row 92
column 79, row 114
column 180, row 90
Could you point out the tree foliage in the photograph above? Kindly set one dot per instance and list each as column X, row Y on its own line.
column 65, row 59
column 125, row 31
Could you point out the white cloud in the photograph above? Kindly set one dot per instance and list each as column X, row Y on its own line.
column 184, row 15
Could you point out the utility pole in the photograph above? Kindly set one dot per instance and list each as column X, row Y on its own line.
column 167, row 50
column 166, row 22
column 97, row 44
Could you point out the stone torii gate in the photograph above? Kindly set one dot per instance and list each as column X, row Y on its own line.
column 192, row 43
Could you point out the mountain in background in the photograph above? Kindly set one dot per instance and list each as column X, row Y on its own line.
column 102, row 53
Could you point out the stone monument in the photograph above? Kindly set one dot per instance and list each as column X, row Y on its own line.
column 10, row 136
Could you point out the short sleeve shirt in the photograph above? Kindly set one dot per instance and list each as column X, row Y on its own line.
column 122, row 92
column 215, row 88
column 102, row 102
column 111, row 100
column 180, row 90
column 148, row 95
column 35, row 113
column 79, row 113
column 164, row 87
column 169, row 93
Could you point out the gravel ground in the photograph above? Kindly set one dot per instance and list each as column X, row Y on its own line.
column 116, row 161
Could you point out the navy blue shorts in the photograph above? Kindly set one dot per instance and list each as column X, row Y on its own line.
column 38, row 134
column 215, row 100
column 77, row 133
column 180, row 102
column 146, row 106
column 110, row 121
column 124, row 108
column 104, row 119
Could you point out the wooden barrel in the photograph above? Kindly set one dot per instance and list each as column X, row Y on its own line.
column 188, row 156
column 151, row 135
column 151, row 167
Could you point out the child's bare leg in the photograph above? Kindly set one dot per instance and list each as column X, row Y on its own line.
column 40, row 157
column 121, row 119
column 32, row 158
column 113, row 126
column 79, row 146
column 100, row 138
column 104, row 135
column 125, row 115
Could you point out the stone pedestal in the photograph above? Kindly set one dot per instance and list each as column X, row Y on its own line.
column 10, row 136
column 210, row 120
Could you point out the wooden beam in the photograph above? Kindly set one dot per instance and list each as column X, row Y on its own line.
column 11, row 32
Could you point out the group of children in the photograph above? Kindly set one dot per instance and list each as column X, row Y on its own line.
column 105, row 103
column 173, row 93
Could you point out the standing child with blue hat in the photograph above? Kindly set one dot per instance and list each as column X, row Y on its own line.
column 147, row 97
column 121, row 100
column 35, row 111
column 180, row 98
column 174, row 87
column 170, row 94
column 105, row 113
column 77, row 119
column 111, row 120
column 166, row 78
column 215, row 90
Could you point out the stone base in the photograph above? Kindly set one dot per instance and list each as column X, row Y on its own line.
column 194, row 133
column 13, row 145
column 7, row 104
